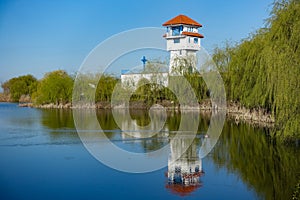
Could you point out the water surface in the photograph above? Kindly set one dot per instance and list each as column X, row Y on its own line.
column 42, row 157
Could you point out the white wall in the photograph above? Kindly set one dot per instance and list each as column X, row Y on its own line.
column 185, row 42
column 131, row 80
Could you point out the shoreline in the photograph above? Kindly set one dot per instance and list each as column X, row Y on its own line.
column 234, row 111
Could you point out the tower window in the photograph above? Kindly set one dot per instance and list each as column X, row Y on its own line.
column 196, row 40
column 176, row 30
column 177, row 40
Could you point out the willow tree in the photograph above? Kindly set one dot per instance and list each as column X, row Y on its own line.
column 105, row 88
column 56, row 87
column 263, row 70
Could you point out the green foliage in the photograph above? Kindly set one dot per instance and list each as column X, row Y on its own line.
column 270, row 169
column 90, row 88
column 263, row 71
column 151, row 92
column 147, row 92
column 56, row 87
column 143, row 91
column 184, row 65
column 84, row 88
column 22, row 85
column 296, row 195
column 105, row 88
column 150, row 89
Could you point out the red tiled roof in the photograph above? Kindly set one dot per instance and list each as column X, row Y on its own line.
column 182, row 190
column 193, row 34
column 182, row 19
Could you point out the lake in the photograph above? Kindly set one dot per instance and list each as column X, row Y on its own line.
column 42, row 157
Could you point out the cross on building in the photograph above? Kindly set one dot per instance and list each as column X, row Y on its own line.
column 144, row 60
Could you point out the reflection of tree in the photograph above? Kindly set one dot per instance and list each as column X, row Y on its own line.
column 269, row 168
column 60, row 122
column 156, row 142
column 174, row 120
column 149, row 133
column 57, row 118
column 63, row 119
column 153, row 137
column 142, row 118
column 107, row 122
column 184, row 173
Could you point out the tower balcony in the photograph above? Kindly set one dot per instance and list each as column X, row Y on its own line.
column 169, row 35
column 183, row 42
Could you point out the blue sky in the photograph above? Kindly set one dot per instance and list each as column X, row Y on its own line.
column 39, row 36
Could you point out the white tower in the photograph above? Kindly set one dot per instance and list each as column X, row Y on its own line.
column 183, row 41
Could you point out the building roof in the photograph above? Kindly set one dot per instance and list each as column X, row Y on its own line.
column 182, row 190
column 182, row 19
column 193, row 34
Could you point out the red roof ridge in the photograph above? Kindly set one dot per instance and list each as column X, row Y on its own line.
column 182, row 190
column 182, row 19
column 192, row 34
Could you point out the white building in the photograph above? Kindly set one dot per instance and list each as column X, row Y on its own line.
column 130, row 80
column 183, row 42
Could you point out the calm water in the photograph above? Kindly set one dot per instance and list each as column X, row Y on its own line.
column 42, row 157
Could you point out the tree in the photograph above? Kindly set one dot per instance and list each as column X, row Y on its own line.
column 22, row 85
column 263, row 70
column 56, row 87
column 105, row 87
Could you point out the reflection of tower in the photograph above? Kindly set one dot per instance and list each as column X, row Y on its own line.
column 140, row 126
column 184, row 173
column 183, row 41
